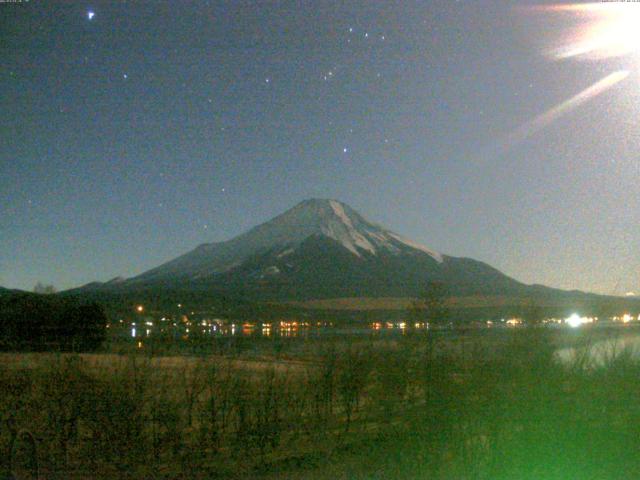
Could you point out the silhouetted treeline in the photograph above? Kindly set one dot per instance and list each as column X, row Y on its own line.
column 45, row 322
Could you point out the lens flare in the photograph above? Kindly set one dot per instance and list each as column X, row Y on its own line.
column 544, row 119
column 599, row 30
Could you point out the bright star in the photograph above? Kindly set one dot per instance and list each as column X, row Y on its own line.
column 90, row 14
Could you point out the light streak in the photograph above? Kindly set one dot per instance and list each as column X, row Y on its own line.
column 545, row 119
column 600, row 30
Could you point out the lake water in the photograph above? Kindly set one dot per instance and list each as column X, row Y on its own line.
column 601, row 351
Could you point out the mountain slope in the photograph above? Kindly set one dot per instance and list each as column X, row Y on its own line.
column 321, row 249
column 325, row 218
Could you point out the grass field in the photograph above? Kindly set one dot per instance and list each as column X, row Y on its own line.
column 402, row 303
column 415, row 406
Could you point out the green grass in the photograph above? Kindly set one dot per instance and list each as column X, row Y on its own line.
column 409, row 407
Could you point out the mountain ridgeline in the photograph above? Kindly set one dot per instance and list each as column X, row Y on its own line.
column 323, row 249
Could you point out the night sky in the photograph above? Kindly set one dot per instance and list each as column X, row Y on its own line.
column 134, row 131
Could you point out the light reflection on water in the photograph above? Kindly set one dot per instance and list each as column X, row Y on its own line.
column 602, row 351
column 295, row 329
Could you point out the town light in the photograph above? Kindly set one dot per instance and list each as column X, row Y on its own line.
column 574, row 320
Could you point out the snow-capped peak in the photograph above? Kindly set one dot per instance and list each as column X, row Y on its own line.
column 338, row 209
column 284, row 233
column 343, row 224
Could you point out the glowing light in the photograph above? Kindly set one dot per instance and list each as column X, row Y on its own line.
column 90, row 14
column 139, row 308
column 545, row 119
column 575, row 320
column 604, row 29
column 133, row 332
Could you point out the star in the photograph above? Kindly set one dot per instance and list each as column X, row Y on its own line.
column 345, row 150
column 125, row 76
column 91, row 14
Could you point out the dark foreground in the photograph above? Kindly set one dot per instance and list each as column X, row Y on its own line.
column 407, row 407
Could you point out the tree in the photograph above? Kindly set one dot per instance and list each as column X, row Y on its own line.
column 44, row 289
column 36, row 322
column 531, row 312
column 431, row 307
column 90, row 327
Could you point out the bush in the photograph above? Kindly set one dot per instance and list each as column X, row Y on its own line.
column 45, row 322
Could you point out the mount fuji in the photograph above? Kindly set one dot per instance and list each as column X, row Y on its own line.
column 320, row 249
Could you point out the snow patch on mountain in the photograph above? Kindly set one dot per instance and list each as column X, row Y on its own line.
column 348, row 237
column 283, row 234
column 272, row 270
column 339, row 211
column 436, row 256
column 284, row 253
column 340, row 227
column 356, row 234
